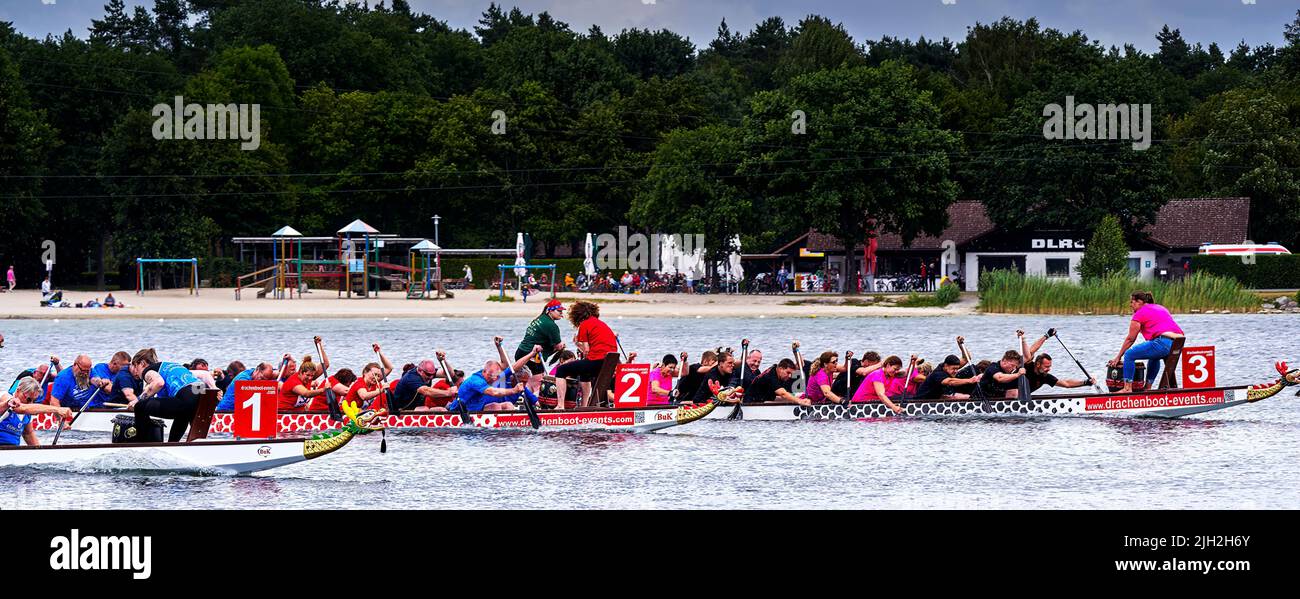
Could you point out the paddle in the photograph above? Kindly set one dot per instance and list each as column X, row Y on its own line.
column 533, row 418
column 383, row 389
column 460, row 405
column 848, row 377
column 529, row 408
column 58, row 430
column 1095, row 386
column 911, row 365
column 800, row 384
column 620, row 348
column 331, row 398
column 978, row 391
column 736, row 412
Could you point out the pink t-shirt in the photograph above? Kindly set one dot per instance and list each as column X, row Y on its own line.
column 814, row 390
column 665, row 382
column 867, row 390
column 1155, row 320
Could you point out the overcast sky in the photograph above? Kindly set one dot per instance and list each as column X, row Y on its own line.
column 1114, row 22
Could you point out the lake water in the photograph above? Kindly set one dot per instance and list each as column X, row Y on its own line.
column 1243, row 457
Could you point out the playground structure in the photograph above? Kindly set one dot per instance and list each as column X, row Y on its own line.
column 140, row 268
column 353, row 259
column 526, row 267
column 426, row 271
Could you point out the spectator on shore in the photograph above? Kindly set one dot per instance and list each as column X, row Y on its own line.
column 12, row 280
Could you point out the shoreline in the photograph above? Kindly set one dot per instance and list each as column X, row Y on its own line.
column 221, row 304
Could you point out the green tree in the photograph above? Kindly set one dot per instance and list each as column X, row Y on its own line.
column 1242, row 143
column 1026, row 180
column 818, row 44
column 26, row 142
column 1107, row 253
column 874, row 158
column 648, row 53
column 691, row 188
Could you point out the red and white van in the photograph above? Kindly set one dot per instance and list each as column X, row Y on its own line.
column 1243, row 249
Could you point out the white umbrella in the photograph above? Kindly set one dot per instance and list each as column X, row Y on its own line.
column 589, row 265
column 668, row 255
column 698, row 265
column 519, row 255
column 737, row 271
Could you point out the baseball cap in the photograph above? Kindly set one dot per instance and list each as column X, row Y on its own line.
column 554, row 305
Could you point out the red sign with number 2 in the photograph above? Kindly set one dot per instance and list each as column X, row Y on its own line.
column 632, row 386
column 256, row 409
column 1198, row 367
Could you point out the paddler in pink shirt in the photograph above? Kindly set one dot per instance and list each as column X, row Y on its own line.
column 1157, row 326
column 884, row 385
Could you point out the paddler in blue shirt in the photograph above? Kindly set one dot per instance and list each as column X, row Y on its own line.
column 170, row 391
column 16, row 413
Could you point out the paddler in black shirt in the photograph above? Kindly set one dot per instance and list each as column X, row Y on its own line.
column 750, row 370
column 721, row 373
column 775, row 384
column 694, row 375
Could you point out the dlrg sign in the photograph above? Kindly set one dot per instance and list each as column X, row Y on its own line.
column 632, row 386
column 1198, row 367
column 256, row 409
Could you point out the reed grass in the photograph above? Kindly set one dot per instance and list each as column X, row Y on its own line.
column 1011, row 292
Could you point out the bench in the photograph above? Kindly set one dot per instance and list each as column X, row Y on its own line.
column 1169, row 374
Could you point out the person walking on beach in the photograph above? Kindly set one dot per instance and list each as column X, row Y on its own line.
column 12, row 280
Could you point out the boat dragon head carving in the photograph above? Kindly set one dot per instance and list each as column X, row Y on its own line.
column 1290, row 377
column 728, row 395
column 362, row 422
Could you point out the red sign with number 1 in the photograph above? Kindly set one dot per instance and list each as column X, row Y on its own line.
column 632, row 386
column 256, row 410
column 1198, row 367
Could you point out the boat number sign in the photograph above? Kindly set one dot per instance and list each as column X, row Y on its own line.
column 632, row 386
column 256, row 410
column 1198, row 367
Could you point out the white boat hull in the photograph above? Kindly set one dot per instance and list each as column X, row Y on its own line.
column 1173, row 403
column 638, row 420
column 201, row 457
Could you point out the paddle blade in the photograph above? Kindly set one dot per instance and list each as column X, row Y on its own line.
column 383, row 440
column 333, row 401
column 533, row 418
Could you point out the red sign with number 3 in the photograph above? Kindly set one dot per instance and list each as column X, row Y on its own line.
column 1198, row 367
column 256, row 410
column 632, row 386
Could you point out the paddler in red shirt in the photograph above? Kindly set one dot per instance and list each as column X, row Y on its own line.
column 595, row 340
column 297, row 391
column 368, row 391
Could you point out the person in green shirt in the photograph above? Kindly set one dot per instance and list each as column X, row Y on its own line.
column 544, row 332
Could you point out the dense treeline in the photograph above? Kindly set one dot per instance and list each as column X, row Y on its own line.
column 384, row 114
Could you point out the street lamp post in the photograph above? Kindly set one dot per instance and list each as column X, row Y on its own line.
column 436, row 219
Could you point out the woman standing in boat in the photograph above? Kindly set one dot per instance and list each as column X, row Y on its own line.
column 595, row 339
column 1157, row 326
column 169, row 391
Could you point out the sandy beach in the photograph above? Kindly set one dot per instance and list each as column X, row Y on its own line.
column 221, row 303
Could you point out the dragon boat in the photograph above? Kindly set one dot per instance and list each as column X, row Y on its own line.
column 202, row 456
column 1163, row 403
column 629, row 420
